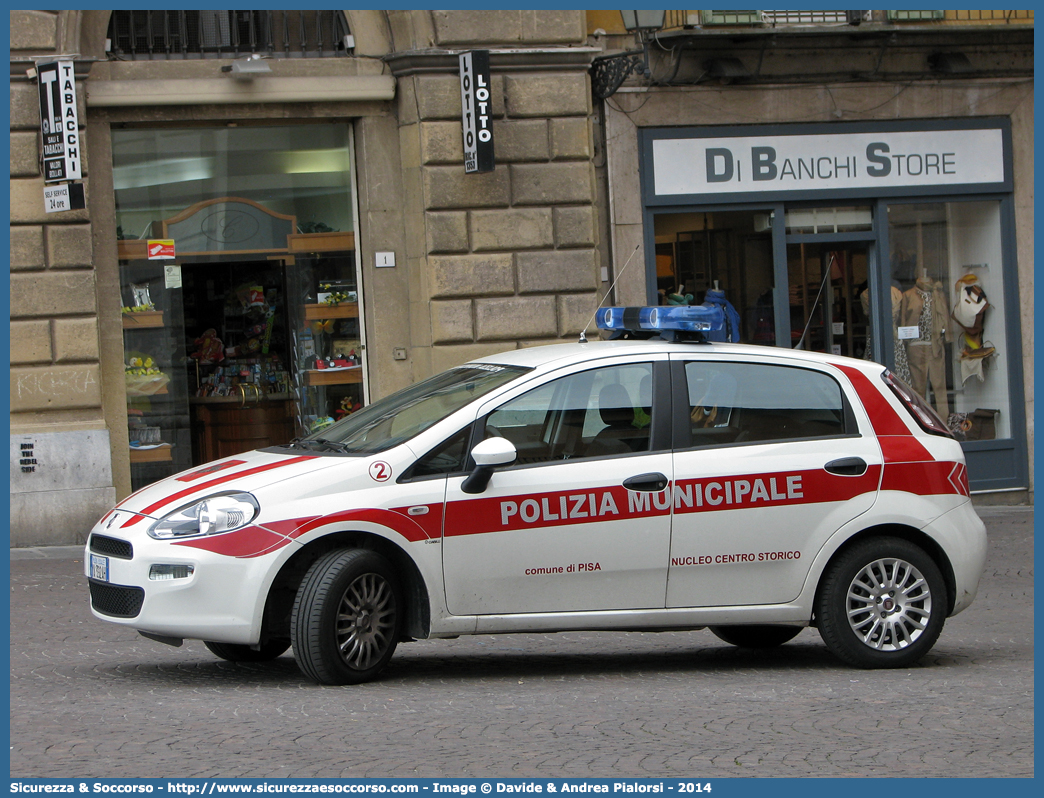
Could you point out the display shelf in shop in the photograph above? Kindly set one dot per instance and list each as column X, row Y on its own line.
column 333, row 376
column 322, row 310
column 143, row 319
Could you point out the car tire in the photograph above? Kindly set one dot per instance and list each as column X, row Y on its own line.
column 882, row 604
column 346, row 617
column 234, row 652
column 756, row 635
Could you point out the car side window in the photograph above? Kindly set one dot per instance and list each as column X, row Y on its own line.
column 449, row 457
column 594, row 413
column 753, row 402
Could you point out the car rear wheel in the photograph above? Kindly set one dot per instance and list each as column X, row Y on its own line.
column 882, row 604
column 346, row 617
column 235, row 652
column 756, row 635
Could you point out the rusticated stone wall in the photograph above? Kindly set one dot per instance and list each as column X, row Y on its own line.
column 56, row 381
column 506, row 258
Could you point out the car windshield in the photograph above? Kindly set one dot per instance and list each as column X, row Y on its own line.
column 398, row 417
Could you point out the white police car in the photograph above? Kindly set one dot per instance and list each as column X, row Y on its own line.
column 623, row 484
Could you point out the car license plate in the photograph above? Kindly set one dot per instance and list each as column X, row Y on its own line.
column 99, row 568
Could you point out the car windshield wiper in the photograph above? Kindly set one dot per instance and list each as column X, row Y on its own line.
column 337, row 446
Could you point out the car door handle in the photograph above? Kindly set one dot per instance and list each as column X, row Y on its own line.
column 847, row 467
column 651, row 483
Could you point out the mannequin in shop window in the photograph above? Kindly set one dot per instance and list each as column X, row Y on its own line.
column 969, row 311
column 925, row 307
column 902, row 366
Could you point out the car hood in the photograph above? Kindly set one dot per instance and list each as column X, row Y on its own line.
column 249, row 472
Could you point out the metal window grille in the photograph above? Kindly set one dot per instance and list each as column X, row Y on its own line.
column 731, row 17
column 990, row 16
column 914, row 16
column 806, row 17
column 172, row 35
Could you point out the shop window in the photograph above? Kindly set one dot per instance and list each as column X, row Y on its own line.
column 949, row 312
column 246, row 331
column 725, row 251
column 158, row 35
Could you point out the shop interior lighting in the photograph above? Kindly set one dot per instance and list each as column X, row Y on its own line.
column 163, row 172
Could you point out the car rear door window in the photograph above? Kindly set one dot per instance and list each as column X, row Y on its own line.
column 732, row 403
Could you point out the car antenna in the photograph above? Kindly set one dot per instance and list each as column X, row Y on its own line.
column 583, row 332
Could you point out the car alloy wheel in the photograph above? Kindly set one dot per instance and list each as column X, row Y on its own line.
column 347, row 617
column 889, row 604
column 365, row 621
column 882, row 603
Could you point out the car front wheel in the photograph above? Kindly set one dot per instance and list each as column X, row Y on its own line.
column 756, row 635
column 882, row 604
column 346, row 617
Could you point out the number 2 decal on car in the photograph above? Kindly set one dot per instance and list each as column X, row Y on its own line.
column 380, row 471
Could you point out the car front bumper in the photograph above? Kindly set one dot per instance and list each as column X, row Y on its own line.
column 222, row 600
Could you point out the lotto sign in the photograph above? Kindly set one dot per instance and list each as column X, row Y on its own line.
column 59, row 122
column 476, row 111
column 161, row 249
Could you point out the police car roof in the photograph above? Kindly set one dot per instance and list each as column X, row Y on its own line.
column 558, row 355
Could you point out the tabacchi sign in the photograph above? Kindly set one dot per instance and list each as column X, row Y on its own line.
column 865, row 161
column 59, row 123
column 476, row 111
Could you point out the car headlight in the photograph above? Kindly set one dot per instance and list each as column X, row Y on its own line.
column 210, row 516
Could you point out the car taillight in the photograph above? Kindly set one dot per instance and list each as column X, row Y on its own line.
column 921, row 410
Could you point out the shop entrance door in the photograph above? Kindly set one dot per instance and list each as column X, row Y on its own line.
column 829, row 297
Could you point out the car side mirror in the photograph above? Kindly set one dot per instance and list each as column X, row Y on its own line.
column 488, row 455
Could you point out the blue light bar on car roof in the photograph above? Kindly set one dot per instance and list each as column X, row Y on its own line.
column 689, row 318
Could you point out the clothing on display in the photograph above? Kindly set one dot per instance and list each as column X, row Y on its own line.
column 924, row 306
column 969, row 311
column 902, row 365
column 731, row 331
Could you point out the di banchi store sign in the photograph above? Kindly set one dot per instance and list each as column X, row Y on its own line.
column 476, row 111
column 839, row 160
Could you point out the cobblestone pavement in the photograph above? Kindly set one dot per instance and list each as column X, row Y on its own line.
column 89, row 699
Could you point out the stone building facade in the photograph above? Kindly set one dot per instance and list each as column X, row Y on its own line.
column 516, row 257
